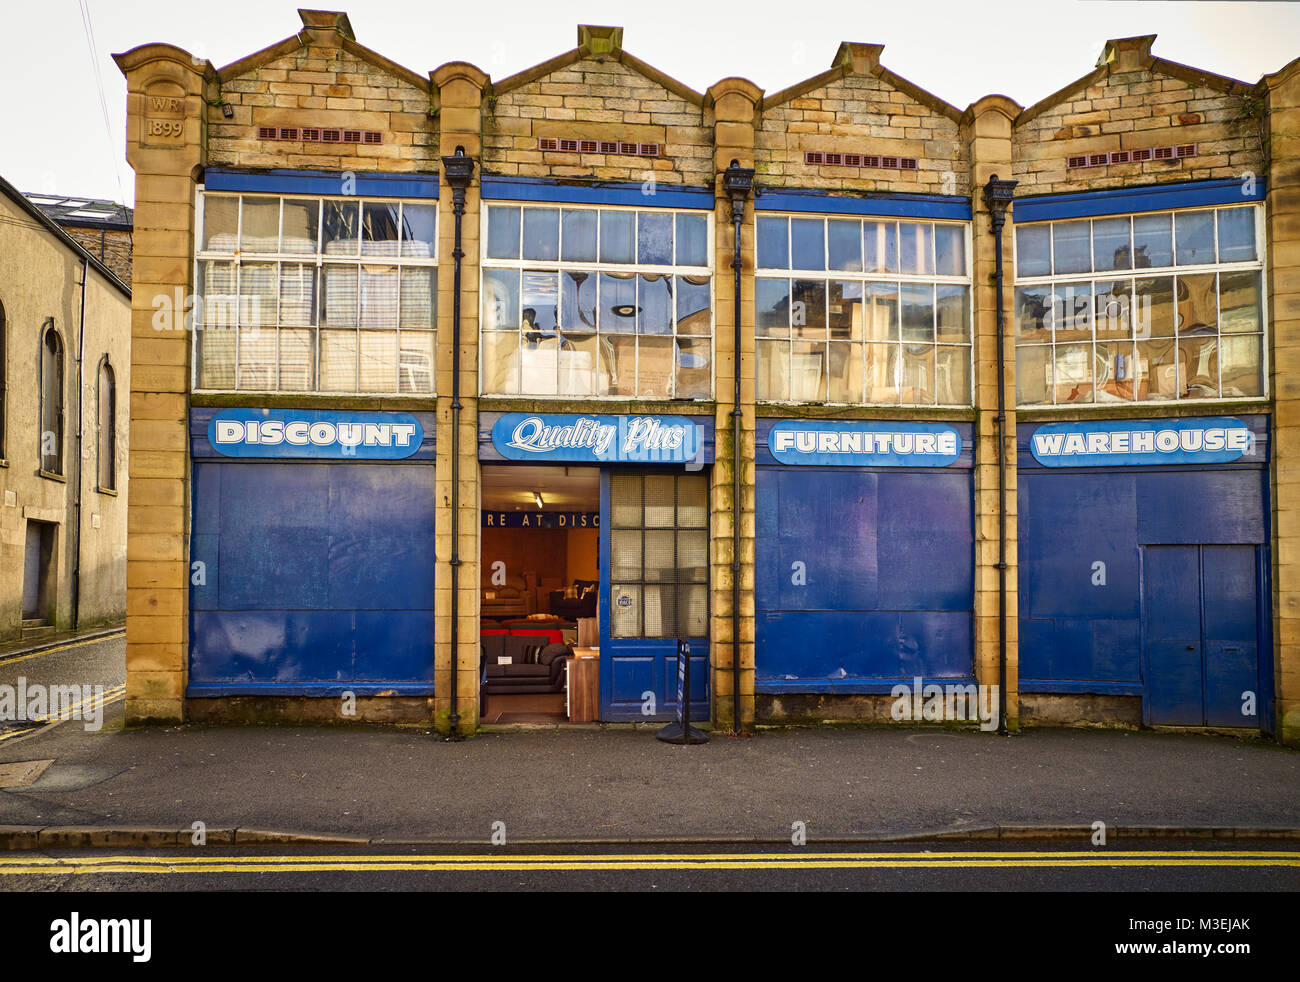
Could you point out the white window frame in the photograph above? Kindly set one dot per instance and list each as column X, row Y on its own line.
column 827, row 275
column 319, row 260
column 1258, row 265
column 560, row 267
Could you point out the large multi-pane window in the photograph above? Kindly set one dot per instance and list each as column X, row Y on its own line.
column 862, row 311
column 659, row 555
column 316, row 294
column 1140, row 308
column 597, row 302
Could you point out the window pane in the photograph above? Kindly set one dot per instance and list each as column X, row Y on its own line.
column 625, row 504
column 1110, row 244
column 542, row 234
column 952, row 309
column 580, row 365
column 342, row 232
column 880, row 312
column 772, row 383
column 693, row 610
column 880, row 247
column 578, row 235
column 1073, row 317
column 660, row 511
column 844, row 244
column 1112, row 308
column 882, row 373
column 693, row 307
column 1072, row 250
column 952, row 375
column 419, row 295
column 844, row 372
column 915, row 247
column 1241, row 366
column 256, row 368
column 917, row 375
column 220, row 224
column 379, row 229
column 950, row 250
column 844, row 309
column 773, row 244
column 625, row 552
column 1236, row 235
column 1153, row 307
column 807, row 243
column 301, row 226
column 772, row 300
column 693, row 505
column 338, row 361
column 1194, row 233
column 1198, row 304
column 1157, row 371
column 618, row 365
column 379, row 298
column 503, row 232
column 692, row 240
column 297, row 359
column 415, row 362
column 1034, row 375
column 660, row 563
column 625, row 611
column 918, row 312
column 694, row 378
column 808, row 371
column 1198, row 368
column 297, row 294
column 654, row 238
column 692, row 556
column 260, row 231
column 259, row 289
column 808, row 308
column 500, row 299
column 1113, row 363
column 539, row 302
column 578, row 301
column 655, row 299
column 1153, row 243
column 617, row 302
column 655, row 358
column 220, row 296
column 378, row 361
column 216, row 358
column 539, row 360
column 1033, row 250
column 1239, row 303
column 617, row 236
column 1073, row 373
column 419, row 230
column 500, row 363
column 1033, row 314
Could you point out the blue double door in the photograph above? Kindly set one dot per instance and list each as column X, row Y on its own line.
column 1201, row 621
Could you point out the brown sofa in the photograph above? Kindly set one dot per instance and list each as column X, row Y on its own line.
column 516, row 598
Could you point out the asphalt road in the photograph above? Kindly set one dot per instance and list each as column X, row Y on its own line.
column 99, row 667
column 1182, row 867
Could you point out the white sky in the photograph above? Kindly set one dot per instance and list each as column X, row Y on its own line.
column 54, row 131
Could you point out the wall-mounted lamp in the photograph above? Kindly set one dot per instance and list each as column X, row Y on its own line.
column 227, row 110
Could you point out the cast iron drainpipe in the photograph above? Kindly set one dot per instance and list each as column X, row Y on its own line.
column 459, row 169
column 81, row 423
column 997, row 196
column 736, row 181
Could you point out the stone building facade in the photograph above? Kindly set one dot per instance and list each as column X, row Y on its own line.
column 867, row 532
column 63, row 428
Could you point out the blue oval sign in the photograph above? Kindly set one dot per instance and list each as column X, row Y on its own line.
column 823, row 443
column 315, row 433
column 1142, row 442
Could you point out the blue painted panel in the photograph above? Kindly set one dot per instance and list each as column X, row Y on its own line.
column 321, row 182
column 594, row 193
column 1231, row 634
column 925, row 547
column 1206, row 506
column 1172, row 603
column 833, row 646
column 1160, row 197
column 896, row 205
column 318, row 575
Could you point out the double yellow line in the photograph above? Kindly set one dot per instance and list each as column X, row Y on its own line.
column 89, row 865
column 81, row 709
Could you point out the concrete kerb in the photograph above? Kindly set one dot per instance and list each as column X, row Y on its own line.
column 15, row 838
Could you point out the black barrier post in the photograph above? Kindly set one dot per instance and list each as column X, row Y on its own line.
column 680, row 731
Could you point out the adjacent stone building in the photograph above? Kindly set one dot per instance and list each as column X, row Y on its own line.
column 100, row 226
column 63, row 428
column 373, row 306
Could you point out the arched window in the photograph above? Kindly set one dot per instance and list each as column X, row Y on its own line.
column 51, row 434
column 4, row 381
column 107, row 426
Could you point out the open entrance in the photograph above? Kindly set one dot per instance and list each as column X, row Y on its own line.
column 38, row 585
column 539, row 594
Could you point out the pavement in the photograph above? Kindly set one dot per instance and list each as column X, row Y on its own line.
column 70, row 787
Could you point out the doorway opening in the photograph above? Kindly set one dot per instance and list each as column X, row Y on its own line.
column 539, row 594
column 38, row 585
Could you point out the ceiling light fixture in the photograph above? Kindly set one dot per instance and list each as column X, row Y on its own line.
column 537, row 496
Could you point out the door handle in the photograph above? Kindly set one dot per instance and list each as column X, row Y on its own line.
column 1191, row 647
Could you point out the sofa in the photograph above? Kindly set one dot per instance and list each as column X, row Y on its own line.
column 582, row 604
column 546, row 676
column 517, row 597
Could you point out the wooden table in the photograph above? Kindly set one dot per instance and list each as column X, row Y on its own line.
column 584, row 685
